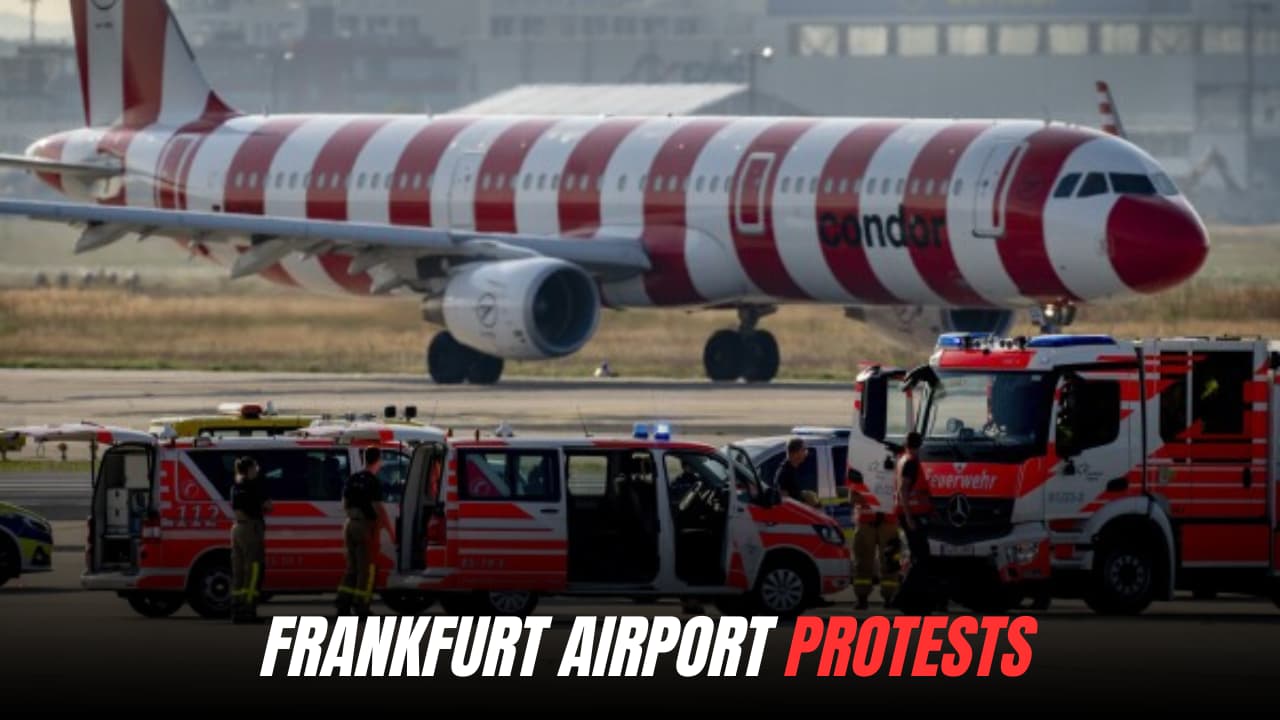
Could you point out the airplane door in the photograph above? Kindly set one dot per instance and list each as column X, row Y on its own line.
column 462, row 192
column 992, row 190
column 749, row 193
column 421, row 500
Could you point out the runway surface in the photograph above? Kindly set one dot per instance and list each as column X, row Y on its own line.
column 696, row 408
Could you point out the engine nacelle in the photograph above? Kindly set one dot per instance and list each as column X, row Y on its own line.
column 526, row 309
column 917, row 328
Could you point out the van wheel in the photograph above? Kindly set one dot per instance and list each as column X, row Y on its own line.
column 10, row 561
column 782, row 589
column 506, row 602
column 155, row 604
column 1124, row 577
column 209, row 591
column 407, row 602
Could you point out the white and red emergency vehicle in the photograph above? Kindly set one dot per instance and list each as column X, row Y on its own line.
column 491, row 524
column 160, row 518
column 1120, row 471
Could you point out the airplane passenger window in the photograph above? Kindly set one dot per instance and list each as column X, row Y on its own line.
column 826, row 185
column 928, row 187
column 293, row 180
column 555, row 181
column 321, row 181
column 1132, row 184
column 360, row 181
column 485, row 181
column 306, row 181
column 622, row 183
column 499, row 181
column 684, row 184
column 403, row 181
column 643, row 183
column 813, row 185
column 697, row 185
column 842, row 186
column 1094, row 184
column 786, row 185
column 1067, row 185
column 279, row 180
column 857, row 186
column 542, row 181
column 884, row 186
column 898, row 189
column 528, row 181
column 417, row 181
column 239, row 181
column 957, row 186
column 915, row 186
column 715, row 183
column 386, row 182
column 599, row 183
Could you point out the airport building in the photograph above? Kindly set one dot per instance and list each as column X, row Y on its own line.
column 1194, row 80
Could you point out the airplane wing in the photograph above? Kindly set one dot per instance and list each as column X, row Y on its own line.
column 370, row 244
column 91, row 171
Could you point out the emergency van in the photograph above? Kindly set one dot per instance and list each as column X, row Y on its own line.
column 1119, row 471
column 159, row 526
column 491, row 524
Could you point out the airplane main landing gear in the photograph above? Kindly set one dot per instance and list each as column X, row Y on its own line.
column 449, row 362
column 747, row 353
column 1051, row 318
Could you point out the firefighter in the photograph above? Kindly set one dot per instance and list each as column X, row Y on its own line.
column 876, row 546
column 915, row 510
column 250, row 504
column 359, row 501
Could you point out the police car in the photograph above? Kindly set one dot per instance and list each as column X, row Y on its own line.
column 822, row 472
column 26, row 543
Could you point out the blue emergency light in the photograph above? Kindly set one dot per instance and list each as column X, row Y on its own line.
column 662, row 431
column 1061, row 341
column 640, row 431
column 961, row 340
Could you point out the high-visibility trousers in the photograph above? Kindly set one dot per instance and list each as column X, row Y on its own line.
column 248, row 563
column 876, row 549
column 355, row 594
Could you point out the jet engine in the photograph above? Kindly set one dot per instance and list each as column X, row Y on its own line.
column 526, row 309
column 917, row 328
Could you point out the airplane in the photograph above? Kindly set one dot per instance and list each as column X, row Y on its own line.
column 517, row 231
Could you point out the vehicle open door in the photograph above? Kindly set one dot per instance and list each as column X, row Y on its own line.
column 124, row 511
column 742, row 536
column 884, row 411
column 421, row 504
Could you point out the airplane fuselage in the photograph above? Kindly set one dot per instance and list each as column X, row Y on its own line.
column 730, row 210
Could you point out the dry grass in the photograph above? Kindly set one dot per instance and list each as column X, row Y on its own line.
column 293, row 331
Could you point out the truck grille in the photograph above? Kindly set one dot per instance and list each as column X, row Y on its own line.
column 960, row 519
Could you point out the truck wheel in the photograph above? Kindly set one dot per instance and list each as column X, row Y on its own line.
column 209, row 591
column 1124, row 577
column 155, row 604
column 10, row 561
column 506, row 602
column 407, row 602
column 783, row 589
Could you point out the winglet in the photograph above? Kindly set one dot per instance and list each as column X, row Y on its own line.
column 1107, row 108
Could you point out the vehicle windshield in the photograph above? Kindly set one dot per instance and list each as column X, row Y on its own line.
column 996, row 416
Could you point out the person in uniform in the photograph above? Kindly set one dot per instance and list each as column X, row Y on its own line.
column 876, row 547
column 915, row 510
column 250, row 504
column 787, row 479
column 359, row 500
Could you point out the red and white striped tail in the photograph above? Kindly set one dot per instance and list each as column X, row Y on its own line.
column 136, row 67
column 1107, row 108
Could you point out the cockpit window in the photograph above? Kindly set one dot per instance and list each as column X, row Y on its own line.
column 1067, row 185
column 1164, row 185
column 1094, row 184
column 1132, row 184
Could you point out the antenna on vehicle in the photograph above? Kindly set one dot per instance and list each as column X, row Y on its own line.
column 581, row 419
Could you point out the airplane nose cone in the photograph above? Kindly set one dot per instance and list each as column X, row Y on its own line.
column 1154, row 243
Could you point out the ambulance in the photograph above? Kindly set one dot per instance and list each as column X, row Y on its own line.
column 489, row 525
column 160, row 522
column 1081, row 465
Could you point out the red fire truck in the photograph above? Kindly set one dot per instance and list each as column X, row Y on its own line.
column 1116, row 471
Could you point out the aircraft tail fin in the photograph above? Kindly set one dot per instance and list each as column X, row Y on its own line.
column 1107, row 108
column 136, row 67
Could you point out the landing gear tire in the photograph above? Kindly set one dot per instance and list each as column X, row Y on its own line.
column 485, row 369
column 723, row 356
column 762, row 357
column 516, row 603
column 209, row 593
column 1124, row 580
column 448, row 361
column 155, row 604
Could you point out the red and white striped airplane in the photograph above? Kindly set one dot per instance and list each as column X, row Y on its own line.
column 517, row 230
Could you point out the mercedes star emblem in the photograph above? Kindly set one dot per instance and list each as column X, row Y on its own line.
column 958, row 510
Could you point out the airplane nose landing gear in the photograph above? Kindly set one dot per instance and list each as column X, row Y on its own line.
column 1053, row 317
column 746, row 353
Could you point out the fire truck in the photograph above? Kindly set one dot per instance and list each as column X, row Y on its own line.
column 1081, row 465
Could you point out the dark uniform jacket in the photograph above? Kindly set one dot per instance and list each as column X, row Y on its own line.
column 248, row 496
column 788, row 480
column 362, row 490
